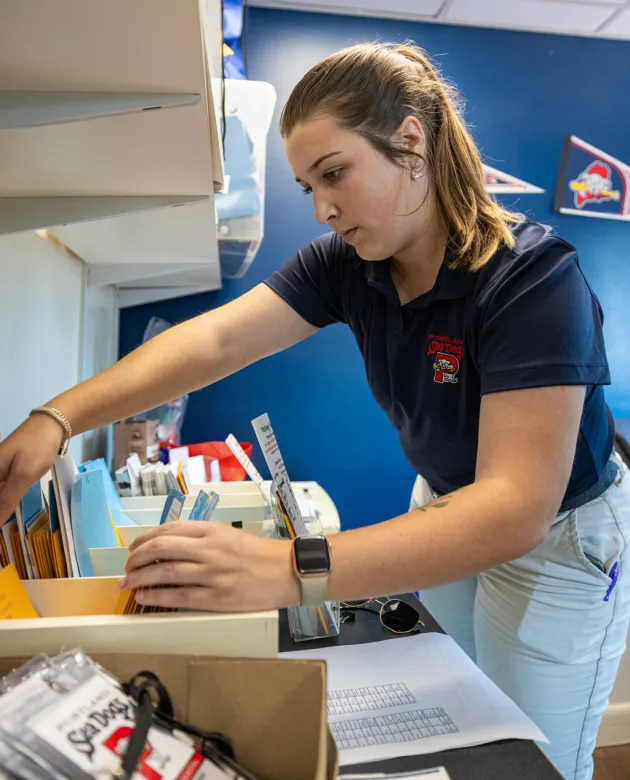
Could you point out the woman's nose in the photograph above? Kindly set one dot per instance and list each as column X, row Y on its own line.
column 324, row 209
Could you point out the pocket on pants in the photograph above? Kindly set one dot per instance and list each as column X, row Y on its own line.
column 597, row 540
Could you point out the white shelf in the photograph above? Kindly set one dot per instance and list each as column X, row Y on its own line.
column 20, row 214
column 141, row 47
column 20, row 109
column 125, row 275
column 151, row 249
column 139, row 297
column 84, row 155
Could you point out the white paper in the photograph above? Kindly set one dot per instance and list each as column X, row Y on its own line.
column 175, row 454
column 413, row 695
column 275, row 463
column 64, row 472
column 215, row 471
column 197, row 470
column 438, row 773
column 160, row 478
column 133, row 467
column 251, row 470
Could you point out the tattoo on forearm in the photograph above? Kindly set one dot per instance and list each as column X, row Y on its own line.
column 439, row 503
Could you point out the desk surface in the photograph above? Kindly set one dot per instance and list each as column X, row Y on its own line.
column 513, row 759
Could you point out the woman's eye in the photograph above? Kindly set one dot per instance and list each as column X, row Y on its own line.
column 334, row 176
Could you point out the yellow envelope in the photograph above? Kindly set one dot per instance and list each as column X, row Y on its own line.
column 4, row 555
column 14, row 601
column 18, row 554
column 59, row 558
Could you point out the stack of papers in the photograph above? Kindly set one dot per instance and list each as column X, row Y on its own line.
column 157, row 479
column 413, row 695
column 61, row 517
column 31, row 540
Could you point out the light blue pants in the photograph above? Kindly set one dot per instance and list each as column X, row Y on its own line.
column 540, row 628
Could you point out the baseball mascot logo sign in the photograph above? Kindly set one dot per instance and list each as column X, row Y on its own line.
column 592, row 183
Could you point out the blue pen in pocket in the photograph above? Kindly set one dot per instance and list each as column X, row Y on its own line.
column 614, row 575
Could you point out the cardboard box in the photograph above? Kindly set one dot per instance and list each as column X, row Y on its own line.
column 79, row 613
column 140, row 437
column 274, row 711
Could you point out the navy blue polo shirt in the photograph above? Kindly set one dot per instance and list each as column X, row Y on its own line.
column 527, row 319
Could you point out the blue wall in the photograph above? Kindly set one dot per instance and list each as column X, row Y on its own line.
column 525, row 92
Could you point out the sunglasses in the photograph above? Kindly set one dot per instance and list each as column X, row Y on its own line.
column 395, row 615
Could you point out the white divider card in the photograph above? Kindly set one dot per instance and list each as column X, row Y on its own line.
column 271, row 451
column 253, row 473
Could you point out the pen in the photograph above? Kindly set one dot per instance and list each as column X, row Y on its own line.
column 614, row 575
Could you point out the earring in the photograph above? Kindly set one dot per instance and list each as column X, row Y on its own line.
column 416, row 173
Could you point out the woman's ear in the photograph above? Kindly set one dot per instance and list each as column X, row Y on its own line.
column 410, row 137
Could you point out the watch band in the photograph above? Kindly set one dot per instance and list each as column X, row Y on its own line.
column 314, row 590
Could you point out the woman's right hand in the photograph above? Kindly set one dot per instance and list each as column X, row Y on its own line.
column 25, row 456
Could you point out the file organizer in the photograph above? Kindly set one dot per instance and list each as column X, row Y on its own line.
column 241, row 505
column 246, row 510
column 109, row 561
column 231, row 509
column 79, row 613
column 312, row 499
column 147, row 519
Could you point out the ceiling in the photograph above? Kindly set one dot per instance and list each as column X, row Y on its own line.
column 599, row 18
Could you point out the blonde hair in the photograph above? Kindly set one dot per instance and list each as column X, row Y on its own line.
column 370, row 89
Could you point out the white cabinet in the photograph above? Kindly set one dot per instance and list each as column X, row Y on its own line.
column 109, row 136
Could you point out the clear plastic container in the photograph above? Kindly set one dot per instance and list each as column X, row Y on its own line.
column 306, row 623
column 314, row 622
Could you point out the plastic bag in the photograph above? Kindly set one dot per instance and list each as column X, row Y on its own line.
column 170, row 416
column 66, row 717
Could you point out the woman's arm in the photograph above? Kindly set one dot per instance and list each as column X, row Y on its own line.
column 189, row 356
column 527, row 441
column 184, row 358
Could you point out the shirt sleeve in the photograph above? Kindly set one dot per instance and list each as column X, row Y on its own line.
column 541, row 324
column 312, row 281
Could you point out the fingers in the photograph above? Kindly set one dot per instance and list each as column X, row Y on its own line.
column 166, row 573
column 11, row 494
column 185, row 528
column 194, row 598
column 166, row 548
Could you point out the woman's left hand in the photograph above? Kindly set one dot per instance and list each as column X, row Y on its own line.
column 213, row 567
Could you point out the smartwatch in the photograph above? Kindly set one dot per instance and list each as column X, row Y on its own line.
column 311, row 561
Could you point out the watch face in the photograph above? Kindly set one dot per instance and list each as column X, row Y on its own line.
column 312, row 555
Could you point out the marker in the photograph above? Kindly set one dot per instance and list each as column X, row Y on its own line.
column 614, row 575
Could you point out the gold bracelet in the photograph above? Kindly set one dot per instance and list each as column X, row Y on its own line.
column 62, row 420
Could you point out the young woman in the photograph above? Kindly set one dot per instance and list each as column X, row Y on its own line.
column 482, row 342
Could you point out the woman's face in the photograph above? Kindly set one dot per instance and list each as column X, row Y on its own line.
column 373, row 204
